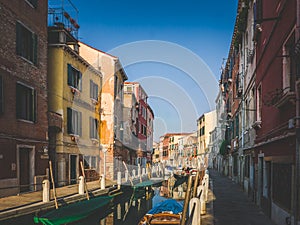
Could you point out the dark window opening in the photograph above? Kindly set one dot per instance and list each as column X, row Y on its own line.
column 74, row 78
column 74, row 122
column 26, row 103
column 93, row 90
column 26, row 43
column 94, row 128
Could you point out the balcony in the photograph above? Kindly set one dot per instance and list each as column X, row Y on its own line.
column 60, row 19
column 280, row 97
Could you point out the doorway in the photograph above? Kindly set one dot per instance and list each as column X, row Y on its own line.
column 26, row 168
column 73, row 169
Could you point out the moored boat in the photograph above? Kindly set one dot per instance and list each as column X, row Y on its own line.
column 161, row 218
column 165, row 212
column 73, row 212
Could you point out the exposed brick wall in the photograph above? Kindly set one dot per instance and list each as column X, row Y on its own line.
column 13, row 69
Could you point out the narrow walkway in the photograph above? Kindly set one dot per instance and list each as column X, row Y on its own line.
column 26, row 203
column 230, row 205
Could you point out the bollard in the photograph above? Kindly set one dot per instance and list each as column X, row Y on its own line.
column 195, row 202
column 126, row 175
column 202, row 202
column 139, row 170
column 119, row 179
column 206, row 177
column 133, row 173
column 143, row 171
column 46, row 191
column 119, row 212
column 102, row 182
column 81, row 186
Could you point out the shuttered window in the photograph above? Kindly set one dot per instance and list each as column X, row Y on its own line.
column 94, row 128
column 74, row 124
column 26, row 43
column 26, row 103
column 93, row 90
column 74, row 78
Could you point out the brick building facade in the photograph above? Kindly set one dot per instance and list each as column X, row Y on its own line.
column 23, row 95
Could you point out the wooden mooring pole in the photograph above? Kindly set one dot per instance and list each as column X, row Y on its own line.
column 53, row 184
column 186, row 200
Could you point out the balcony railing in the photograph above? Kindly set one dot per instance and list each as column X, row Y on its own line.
column 63, row 14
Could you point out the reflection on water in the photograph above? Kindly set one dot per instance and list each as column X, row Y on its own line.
column 127, row 208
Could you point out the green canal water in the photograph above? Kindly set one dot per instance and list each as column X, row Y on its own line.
column 126, row 209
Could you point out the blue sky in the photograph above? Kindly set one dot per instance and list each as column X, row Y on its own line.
column 203, row 28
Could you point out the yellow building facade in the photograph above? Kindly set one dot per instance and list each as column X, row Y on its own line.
column 112, row 99
column 74, row 113
column 205, row 124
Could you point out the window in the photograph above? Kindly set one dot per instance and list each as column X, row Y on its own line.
column 258, row 12
column 26, row 103
column 90, row 162
column 143, row 112
column 128, row 89
column 247, row 166
column 33, row 3
column 288, row 65
column 26, row 43
column 143, row 130
column 259, row 103
column 1, row 95
column 237, row 129
column 74, row 122
column 93, row 90
column 74, row 77
column 94, row 128
column 116, row 83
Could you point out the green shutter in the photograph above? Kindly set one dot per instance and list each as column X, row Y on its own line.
column 97, row 128
column 70, row 75
column 96, row 94
column 80, row 123
column 69, row 121
column 91, row 127
column 34, row 106
column 18, row 102
column 34, row 48
column 18, row 38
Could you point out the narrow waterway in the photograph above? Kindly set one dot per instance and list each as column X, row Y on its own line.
column 127, row 208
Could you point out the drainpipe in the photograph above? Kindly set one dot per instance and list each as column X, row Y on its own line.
column 297, row 160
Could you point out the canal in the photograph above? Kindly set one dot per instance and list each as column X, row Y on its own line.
column 127, row 208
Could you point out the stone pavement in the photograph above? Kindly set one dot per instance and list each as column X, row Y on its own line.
column 229, row 205
column 30, row 202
